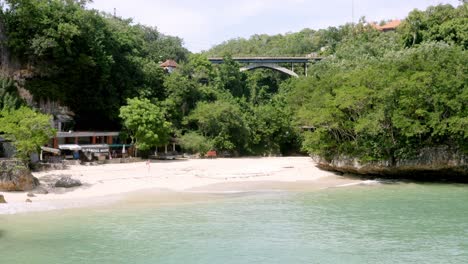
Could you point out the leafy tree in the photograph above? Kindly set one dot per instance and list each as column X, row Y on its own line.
column 386, row 108
column 365, row 41
column 153, row 80
column 27, row 129
column 194, row 142
column 199, row 68
column 182, row 95
column 437, row 23
column 229, row 78
column 272, row 131
column 159, row 47
column 88, row 61
column 223, row 122
column 8, row 94
column 263, row 85
column 145, row 123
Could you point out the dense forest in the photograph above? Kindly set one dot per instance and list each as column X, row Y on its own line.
column 88, row 61
column 375, row 95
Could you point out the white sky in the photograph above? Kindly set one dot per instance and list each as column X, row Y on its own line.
column 203, row 24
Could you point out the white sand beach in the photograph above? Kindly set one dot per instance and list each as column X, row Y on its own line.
column 187, row 176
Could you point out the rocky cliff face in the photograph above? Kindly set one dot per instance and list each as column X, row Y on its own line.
column 438, row 163
column 8, row 65
column 4, row 55
column 14, row 176
column 20, row 72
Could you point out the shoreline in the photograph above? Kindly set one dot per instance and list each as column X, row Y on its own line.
column 111, row 183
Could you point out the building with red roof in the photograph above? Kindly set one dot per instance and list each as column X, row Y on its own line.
column 169, row 65
column 389, row 26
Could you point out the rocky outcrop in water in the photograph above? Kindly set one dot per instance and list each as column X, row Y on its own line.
column 15, row 176
column 2, row 199
column 67, row 182
column 431, row 164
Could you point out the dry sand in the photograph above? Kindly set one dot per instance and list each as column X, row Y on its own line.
column 104, row 183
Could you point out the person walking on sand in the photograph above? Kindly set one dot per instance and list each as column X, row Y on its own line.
column 148, row 164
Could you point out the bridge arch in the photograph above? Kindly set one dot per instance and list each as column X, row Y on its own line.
column 270, row 63
column 269, row 66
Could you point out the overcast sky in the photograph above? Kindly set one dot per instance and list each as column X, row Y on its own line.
column 204, row 23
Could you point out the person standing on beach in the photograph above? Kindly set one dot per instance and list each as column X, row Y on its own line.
column 148, row 164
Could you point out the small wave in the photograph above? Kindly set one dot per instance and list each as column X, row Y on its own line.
column 42, row 206
column 17, row 208
column 219, row 192
column 361, row 183
column 236, row 192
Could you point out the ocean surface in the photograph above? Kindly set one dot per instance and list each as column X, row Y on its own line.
column 384, row 223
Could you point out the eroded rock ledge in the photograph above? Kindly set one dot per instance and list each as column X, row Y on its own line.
column 431, row 164
column 15, row 176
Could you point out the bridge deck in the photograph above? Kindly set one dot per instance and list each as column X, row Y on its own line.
column 218, row 60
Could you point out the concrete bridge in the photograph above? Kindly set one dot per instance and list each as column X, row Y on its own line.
column 271, row 63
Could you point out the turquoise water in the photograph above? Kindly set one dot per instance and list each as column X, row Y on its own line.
column 398, row 223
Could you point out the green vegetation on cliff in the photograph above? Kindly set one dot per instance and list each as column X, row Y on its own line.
column 88, row 61
column 383, row 97
column 387, row 107
column 375, row 95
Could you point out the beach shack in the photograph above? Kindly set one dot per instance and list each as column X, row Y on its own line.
column 84, row 145
column 167, row 151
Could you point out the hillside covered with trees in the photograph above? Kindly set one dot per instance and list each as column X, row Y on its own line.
column 88, row 61
column 388, row 95
column 375, row 95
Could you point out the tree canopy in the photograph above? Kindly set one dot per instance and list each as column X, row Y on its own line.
column 27, row 129
column 386, row 96
column 145, row 123
column 88, row 61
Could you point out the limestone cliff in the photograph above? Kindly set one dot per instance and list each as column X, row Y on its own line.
column 437, row 163
column 8, row 64
column 12, row 68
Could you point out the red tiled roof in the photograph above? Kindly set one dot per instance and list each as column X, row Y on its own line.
column 169, row 63
column 389, row 26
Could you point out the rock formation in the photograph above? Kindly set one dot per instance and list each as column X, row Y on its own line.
column 431, row 164
column 67, row 182
column 15, row 176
